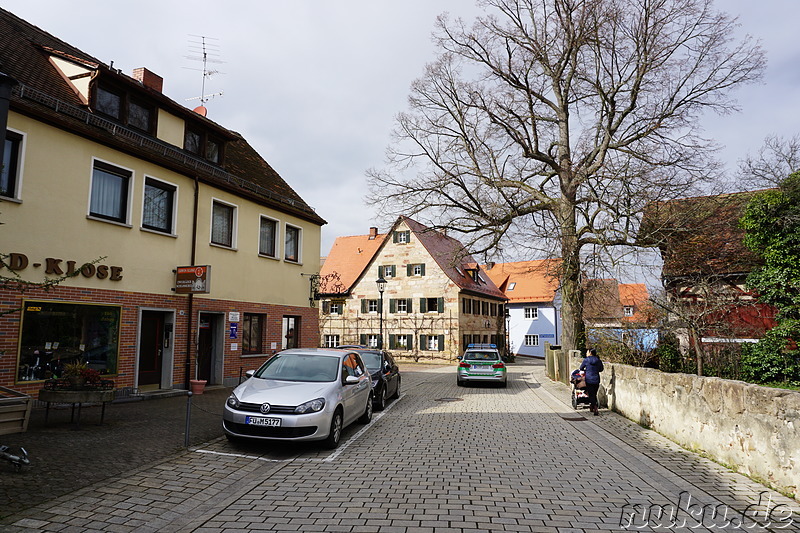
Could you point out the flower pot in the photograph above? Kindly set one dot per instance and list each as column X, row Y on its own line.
column 197, row 385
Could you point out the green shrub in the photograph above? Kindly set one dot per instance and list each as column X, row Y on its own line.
column 768, row 360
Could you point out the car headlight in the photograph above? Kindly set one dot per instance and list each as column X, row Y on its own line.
column 233, row 401
column 313, row 406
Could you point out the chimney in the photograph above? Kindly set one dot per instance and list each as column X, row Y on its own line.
column 149, row 79
column 373, row 232
column 489, row 265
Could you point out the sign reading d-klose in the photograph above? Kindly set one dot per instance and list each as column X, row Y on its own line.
column 193, row 279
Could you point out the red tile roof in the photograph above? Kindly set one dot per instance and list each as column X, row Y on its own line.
column 346, row 261
column 526, row 281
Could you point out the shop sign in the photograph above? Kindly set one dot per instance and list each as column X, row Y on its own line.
column 58, row 267
column 193, row 279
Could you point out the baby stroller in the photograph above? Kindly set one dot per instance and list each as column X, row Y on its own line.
column 579, row 395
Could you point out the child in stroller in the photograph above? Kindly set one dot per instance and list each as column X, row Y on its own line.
column 579, row 395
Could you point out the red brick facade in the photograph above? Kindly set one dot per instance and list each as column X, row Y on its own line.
column 131, row 302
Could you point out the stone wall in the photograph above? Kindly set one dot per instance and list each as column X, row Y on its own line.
column 751, row 428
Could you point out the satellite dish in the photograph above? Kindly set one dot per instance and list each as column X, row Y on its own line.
column 201, row 110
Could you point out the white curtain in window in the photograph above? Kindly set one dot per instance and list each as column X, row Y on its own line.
column 108, row 194
column 266, row 245
column 222, row 225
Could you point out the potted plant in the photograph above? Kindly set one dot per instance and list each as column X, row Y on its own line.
column 79, row 375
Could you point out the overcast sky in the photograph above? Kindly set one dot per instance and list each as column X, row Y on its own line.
column 314, row 85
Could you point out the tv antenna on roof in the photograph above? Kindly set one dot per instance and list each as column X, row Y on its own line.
column 204, row 50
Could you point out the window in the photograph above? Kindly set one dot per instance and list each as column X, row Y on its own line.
column 291, row 250
column 400, row 342
column 372, row 340
column 110, row 187
column 268, row 237
column 511, row 286
column 252, row 328
column 336, row 308
column 401, row 237
column 140, row 117
column 433, row 343
column 402, row 306
column 531, row 313
column 109, row 103
column 431, row 305
column 628, row 310
column 485, row 308
column 212, row 151
column 11, row 164
column 223, row 223
column 56, row 333
column 159, row 206
column 415, row 270
column 388, row 271
column 531, row 340
column 372, row 306
column 331, row 341
column 192, row 141
column 351, row 366
column 291, row 332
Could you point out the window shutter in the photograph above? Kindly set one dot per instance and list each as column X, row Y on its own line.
column 409, row 342
column 392, row 342
column 423, row 342
column 393, row 270
column 440, row 305
column 394, row 236
column 392, row 305
column 409, row 269
column 441, row 343
column 363, row 307
column 363, row 339
column 380, row 271
column 326, row 307
column 422, row 269
column 423, row 305
column 409, row 305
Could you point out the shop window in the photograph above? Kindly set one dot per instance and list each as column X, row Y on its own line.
column 268, row 237
column 159, row 206
column 252, row 334
column 223, row 223
column 292, row 245
column 11, row 165
column 110, row 191
column 57, row 333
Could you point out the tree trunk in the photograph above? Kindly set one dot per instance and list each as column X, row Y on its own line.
column 574, row 330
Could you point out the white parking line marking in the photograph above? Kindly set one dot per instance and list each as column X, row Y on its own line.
column 355, row 437
column 245, row 456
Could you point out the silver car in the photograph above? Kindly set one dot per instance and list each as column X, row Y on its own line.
column 301, row 395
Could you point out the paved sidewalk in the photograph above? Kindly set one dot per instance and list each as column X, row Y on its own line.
column 441, row 459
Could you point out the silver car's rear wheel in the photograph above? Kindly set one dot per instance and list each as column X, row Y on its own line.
column 335, row 434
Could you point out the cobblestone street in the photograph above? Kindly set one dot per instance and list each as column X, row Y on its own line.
column 440, row 459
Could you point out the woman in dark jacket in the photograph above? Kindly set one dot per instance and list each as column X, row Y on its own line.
column 592, row 366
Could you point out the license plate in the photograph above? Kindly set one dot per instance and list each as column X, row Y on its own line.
column 259, row 421
column 478, row 368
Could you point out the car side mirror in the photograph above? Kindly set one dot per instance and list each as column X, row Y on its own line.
column 250, row 373
column 351, row 380
column 460, row 357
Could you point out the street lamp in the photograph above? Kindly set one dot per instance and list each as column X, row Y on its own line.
column 381, row 287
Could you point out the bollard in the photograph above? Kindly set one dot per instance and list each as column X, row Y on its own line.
column 188, row 419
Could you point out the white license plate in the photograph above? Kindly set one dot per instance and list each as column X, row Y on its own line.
column 485, row 369
column 259, row 421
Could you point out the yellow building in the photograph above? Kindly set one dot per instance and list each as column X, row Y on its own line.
column 435, row 299
column 109, row 182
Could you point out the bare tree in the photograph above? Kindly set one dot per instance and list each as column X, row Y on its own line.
column 776, row 159
column 550, row 123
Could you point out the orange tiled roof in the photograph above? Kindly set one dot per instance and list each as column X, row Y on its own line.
column 635, row 295
column 534, row 281
column 347, row 259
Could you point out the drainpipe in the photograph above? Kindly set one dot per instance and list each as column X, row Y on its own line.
column 6, row 84
column 191, row 296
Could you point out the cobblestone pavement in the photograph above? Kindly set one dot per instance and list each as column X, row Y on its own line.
column 440, row 459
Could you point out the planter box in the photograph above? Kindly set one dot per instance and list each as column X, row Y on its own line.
column 15, row 411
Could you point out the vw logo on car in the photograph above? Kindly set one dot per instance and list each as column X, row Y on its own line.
column 265, row 408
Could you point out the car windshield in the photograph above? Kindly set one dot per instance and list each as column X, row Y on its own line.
column 481, row 356
column 300, row 367
column 372, row 360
